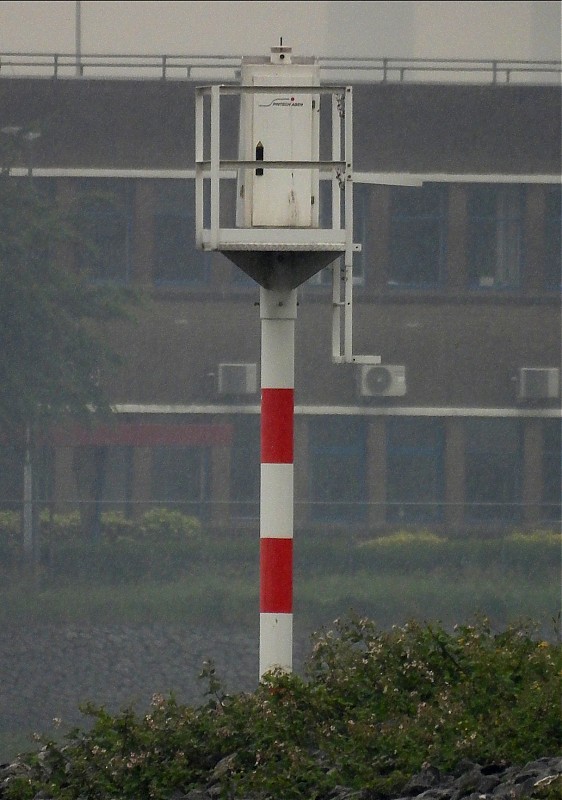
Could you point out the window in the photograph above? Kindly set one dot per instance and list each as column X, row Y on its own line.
column 177, row 260
column 415, row 470
column 553, row 247
column 245, row 468
column 493, row 469
column 552, row 472
column 337, row 468
column 181, row 478
column 494, row 236
column 417, row 236
column 106, row 216
column 118, row 479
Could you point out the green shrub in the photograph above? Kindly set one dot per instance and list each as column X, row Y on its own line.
column 162, row 523
column 10, row 537
column 533, row 554
column 372, row 708
column 10, row 523
column 57, row 528
column 401, row 538
column 115, row 525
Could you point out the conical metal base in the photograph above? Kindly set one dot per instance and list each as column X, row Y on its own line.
column 284, row 269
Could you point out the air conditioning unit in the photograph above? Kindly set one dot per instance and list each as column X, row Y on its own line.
column 538, row 383
column 237, row 379
column 382, row 380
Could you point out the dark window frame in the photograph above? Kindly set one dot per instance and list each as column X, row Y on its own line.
column 411, row 456
column 494, row 473
column 171, row 467
column 193, row 267
column 338, row 468
column 495, row 234
column 418, row 216
column 106, row 203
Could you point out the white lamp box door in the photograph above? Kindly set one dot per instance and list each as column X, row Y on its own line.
column 281, row 125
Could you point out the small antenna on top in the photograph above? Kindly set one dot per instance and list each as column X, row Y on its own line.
column 280, row 41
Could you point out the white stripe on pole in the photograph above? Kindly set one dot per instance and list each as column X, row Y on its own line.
column 276, row 642
column 276, row 500
column 278, row 310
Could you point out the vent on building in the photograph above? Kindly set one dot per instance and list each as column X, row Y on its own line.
column 382, row 380
column 237, row 379
column 538, row 383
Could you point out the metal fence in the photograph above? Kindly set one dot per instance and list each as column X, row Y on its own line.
column 227, row 68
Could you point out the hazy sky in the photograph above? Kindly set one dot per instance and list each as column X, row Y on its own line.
column 509, row 30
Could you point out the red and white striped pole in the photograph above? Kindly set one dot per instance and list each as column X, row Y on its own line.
column 278, row 311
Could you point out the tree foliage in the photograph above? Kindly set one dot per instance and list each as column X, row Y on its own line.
column 52, row 351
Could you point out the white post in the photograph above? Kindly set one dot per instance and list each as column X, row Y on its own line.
column 278, row 311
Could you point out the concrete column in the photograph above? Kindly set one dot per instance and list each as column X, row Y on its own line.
column 534, row 238
column 457, row 239
column 220, row 485
column 455, row 473
column 142, row 480
column 64, row 480
column 376, row 471
column 532, row 470
column 143, row 253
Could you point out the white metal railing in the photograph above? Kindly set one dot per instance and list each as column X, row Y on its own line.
column 334, row 235
column 211, row 166
column 227, row 68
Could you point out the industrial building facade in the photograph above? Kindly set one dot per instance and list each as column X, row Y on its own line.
column 457, row 288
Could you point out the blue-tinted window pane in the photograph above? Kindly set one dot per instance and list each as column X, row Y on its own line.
column 180, row 478
column 337, row 468
column 414, row 470
column 493, row 469
column 417, row 236
column 494, row 236
column 106, row 222
column 177, row 260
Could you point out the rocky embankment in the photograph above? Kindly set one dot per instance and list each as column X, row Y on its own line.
column 470, row 781
column 48, row 671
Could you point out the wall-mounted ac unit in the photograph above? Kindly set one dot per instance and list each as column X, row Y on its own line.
column 388, row 380
column 538, row 383
column 237, row 379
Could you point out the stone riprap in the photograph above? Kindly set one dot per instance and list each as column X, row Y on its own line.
column 47, row 672
column 470, row 781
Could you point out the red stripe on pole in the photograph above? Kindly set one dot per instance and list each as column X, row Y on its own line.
column 276, row 567
column 277, row 413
